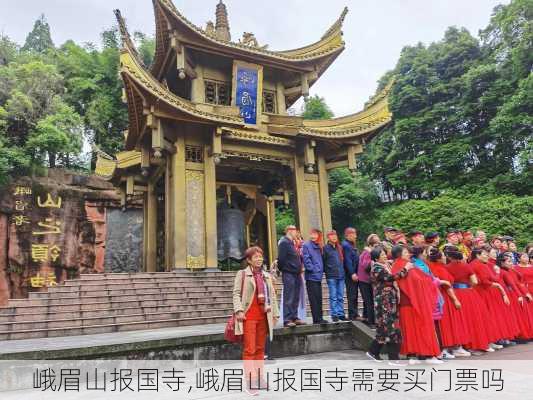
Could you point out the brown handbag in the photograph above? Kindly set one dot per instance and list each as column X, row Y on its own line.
column 229, row 332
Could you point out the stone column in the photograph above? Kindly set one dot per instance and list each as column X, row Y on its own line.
column 178, row 207
column 210, row 189
column 312, row 197
column 150, row 230
column 272, row 232
column 323, row 186
column 195, row 217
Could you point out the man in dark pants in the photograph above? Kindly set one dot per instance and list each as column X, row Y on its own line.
column 351, row 263
column 290, row 265
column 314, row 272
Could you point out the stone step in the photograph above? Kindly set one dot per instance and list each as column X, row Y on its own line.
column 142, row 298
column 84, row 326
column 126, row 291
column 110, row 305
column 106, row 320
column 145, row 275
column 192, row 286
column 141, row 282
column 95, row 302
column 60, row 313
column 139, row 286
column 132, row 293
column 108, row 328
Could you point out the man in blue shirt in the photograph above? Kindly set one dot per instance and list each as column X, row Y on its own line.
column 314, row 271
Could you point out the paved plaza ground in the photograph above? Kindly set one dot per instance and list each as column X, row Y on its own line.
column 518, row 352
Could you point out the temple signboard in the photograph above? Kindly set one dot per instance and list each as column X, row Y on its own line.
column 248, row 86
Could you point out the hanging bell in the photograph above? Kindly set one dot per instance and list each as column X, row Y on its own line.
column 231, row 233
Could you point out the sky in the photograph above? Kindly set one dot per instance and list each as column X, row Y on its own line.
column 375, row 31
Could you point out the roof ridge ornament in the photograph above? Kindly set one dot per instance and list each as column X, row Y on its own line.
column 249, row 39
column 337, row 25
column 127, row 42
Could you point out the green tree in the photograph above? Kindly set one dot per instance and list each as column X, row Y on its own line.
column 8, row 50
column 315, row 107
column 28, row 92
column 354, row 200
column 58, row 136
column 461, row 112
column 495, row 214
column 39, row 40
column 145, row 46
column 94, row 89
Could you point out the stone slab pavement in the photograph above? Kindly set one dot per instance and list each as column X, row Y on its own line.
column 104, row 339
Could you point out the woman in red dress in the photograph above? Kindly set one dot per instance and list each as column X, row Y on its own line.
column 526, row 269
column 416, row 308
column 473, row 307
column 453, row 323
column 499, row 327
column 504, row 266
column 524, row 290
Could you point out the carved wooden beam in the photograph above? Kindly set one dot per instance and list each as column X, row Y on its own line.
column 336, row 164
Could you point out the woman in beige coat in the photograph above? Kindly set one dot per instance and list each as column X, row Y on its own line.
column 256, row 312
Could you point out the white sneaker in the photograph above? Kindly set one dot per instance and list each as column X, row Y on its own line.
column 489, row 350
column 446, row 355
column 397, row 363
column 414, row 361
column 434, row 360
column 460, row 352
column 496, row 346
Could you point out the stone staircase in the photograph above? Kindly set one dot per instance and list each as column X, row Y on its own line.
column 107, row 303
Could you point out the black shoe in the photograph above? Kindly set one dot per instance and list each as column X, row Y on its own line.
column 343, row 318
column 335, row 319
column 323, row 322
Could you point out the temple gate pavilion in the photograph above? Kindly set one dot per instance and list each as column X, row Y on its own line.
column 211, row 149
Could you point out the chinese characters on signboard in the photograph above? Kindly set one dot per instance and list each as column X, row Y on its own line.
column 246, row 93
column 45, row 250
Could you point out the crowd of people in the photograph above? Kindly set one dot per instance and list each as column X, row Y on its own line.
column 427, row 299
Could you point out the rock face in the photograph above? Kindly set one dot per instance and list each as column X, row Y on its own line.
column 56, row 227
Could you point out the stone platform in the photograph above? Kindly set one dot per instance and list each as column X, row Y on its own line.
column 185, row 343
column 108, row 303
column 170, row 315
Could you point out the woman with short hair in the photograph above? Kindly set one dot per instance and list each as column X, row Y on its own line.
column 256, row 312
column 365, row 282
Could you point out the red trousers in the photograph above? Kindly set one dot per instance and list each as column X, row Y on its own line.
column 253, row 347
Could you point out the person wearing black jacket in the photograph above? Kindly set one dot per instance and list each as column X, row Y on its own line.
column 333, row 267
column 351, row 264
column 290, row 265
